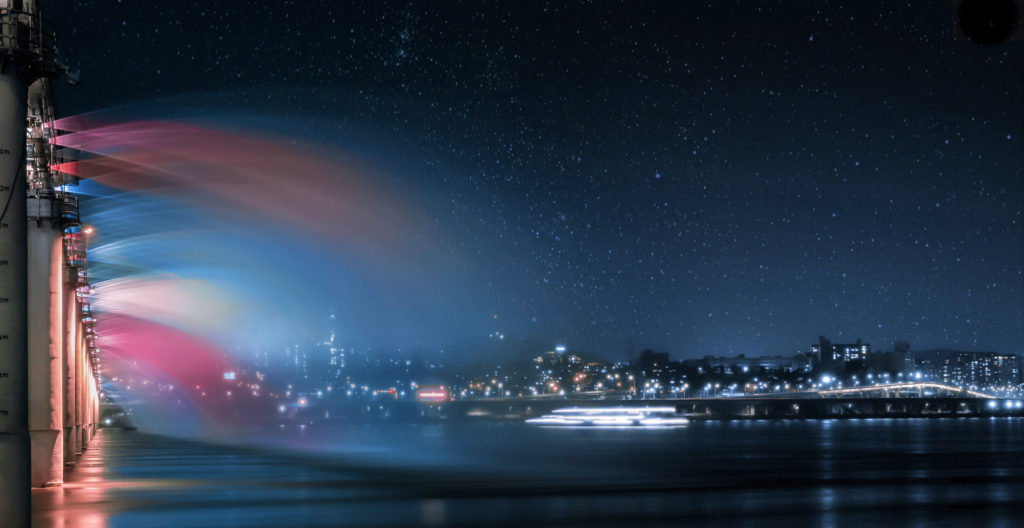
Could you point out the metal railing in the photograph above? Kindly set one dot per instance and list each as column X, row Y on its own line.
column 26, row 36
column 68, row 209
column 74, row 250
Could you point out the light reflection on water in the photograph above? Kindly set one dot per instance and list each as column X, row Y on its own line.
column 775, row 473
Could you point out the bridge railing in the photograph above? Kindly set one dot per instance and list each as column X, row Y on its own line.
column 74, row 250
column 26, row 37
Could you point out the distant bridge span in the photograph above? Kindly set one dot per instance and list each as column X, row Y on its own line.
column 897, row 390
column 910, row 399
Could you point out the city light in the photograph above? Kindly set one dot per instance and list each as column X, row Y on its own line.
column 436, row 394
column 611, row 417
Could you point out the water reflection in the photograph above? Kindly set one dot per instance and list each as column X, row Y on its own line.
column 844, row 472
column 828, row 507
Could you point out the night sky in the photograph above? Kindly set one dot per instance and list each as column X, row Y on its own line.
column 736, row 178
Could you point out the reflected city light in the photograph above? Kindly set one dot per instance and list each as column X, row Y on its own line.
column 612, row 417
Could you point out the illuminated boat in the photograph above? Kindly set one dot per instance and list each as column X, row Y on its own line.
column 612, row 417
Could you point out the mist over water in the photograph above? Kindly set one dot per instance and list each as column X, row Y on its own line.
column 214, row 241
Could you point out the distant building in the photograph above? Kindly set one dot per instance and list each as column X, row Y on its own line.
column 902, row 357
column 651, row 362
column 982, row 370
column 827, row 352
column 742, row 364
column 297, row 361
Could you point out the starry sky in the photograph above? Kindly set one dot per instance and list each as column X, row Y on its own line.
column 732, row 178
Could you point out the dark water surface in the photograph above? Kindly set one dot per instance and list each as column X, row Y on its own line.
column 891, row 472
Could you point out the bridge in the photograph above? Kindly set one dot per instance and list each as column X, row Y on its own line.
column 917, row 399
column 49, row 369
column 919, row 389
column 896, row 400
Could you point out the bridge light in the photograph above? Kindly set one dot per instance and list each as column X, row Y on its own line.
column 993, row 404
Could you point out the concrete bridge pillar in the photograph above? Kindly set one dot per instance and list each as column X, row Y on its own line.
column 23, row 57
column 90, row 398
column 94, row 398
column 90, row 389
column 79, row 387
column 14, row 437
column 45, row 346
column 95, row 405
column 86, row 404
column 70, row 372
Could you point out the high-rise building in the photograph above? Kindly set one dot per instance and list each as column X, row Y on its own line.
column 902, row 358
column 980, row 370
column 332, row 354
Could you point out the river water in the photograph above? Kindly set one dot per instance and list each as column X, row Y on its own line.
column 894, row 472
